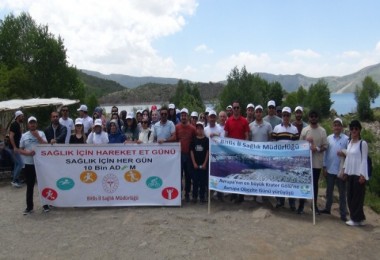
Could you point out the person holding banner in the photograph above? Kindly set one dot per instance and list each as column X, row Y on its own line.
column 98, row 136
column 164, row 130
column 185, row 132
column 356, row 173
column 237, row 127
column 285, row 132
column 146, row 134
column 199, row 152
column 28, row 142
column 317, row 137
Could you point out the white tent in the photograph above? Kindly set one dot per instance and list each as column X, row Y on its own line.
column 16, row 104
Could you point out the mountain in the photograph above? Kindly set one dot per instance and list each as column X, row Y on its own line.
column 99, row 86
column 131, row 81
column 289, row 82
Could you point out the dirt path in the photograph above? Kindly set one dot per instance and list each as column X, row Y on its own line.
column 246, row 231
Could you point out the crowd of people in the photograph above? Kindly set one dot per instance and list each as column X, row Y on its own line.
column 341, row 159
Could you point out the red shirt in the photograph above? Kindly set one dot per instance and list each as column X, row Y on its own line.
column 236, row 127
column 184, row 134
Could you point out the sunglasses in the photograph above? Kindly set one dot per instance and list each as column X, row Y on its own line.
column 236, row 108
column 144, row 122
column 271, row 107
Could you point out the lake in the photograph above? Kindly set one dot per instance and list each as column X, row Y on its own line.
column 343, row 103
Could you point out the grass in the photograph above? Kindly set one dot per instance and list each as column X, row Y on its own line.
column 372, row 200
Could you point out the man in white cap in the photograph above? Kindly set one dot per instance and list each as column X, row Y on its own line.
column 213, row 129
column 333, row 160
column 185, row 132
column 15, row 133
column 194, row 118
column 172, row 114
column 87, row 120
column 287, row 132
column 250, row 113
column 28, row 142
column 229, row 111
column 298, row 122
column 98, row 136
column 261, row 130
column 272, row 118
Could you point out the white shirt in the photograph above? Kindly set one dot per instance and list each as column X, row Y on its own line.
column 29, row 142
column 216, row 130
column 356, row 161
column 87, row 124
column 101, row 138
column 69, row 123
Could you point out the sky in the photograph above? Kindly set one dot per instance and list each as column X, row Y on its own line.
column 204, row 40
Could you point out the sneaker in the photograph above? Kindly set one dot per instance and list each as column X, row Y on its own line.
column 325, row 211
column 361, row 223
column 16, row 184
column 27, row 212
column 343, row 219
column 352, row 223
column 300, row 211
column 317, row 212
column 292, row 208
column 46, row 208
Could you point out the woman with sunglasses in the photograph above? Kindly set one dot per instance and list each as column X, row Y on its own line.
column 356, row 172
column 78, row 137
column 146, row 135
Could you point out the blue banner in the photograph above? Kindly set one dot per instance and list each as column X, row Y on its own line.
column 280, row 169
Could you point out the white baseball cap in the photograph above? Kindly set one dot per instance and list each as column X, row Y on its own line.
column 212, row 112
column 79, row 121
column 287, row 110
column 200, row 123
column 184, row 110
column 298, row 108
column 171, row 106
column 338, row 120
column 258, row 107
column 194, row 114
column 82, row 108
column 98, row 122
column 271, row 103
column 250, row 105
column 32, row 118
column 18, row 113
column 130, row 115
column 229, row 107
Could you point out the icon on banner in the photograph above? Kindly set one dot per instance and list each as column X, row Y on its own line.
column 88, row 176
column 154, row 182
column 170, row 193
column 214, row 183
column 110, row 183
column 305, row 189
column 65, row 183
column 132, row 176
column 49, row 194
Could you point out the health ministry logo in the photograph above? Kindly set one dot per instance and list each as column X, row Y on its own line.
column 214, row 183
column 110, row 183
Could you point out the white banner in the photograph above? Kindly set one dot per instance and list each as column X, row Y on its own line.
column 109, row 175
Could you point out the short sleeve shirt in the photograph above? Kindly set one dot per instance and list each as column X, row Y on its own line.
column 236, row 127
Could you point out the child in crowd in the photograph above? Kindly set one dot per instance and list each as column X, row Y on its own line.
column 199, row 156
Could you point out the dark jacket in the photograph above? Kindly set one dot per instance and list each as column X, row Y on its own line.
column 60, row 134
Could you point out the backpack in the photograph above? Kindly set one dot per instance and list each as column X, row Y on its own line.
column 369, row 161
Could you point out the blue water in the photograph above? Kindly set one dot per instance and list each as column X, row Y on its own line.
column 345, row 103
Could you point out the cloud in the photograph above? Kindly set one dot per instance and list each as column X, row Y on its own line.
column 303, row 54
column 203, row 48
column 351, row 54
column 112, row 37
column 377, row 48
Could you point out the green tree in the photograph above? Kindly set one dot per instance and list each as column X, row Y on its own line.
column 187, row 95
column 318, row 98
column 35, row 61
column 364, row 96
column 249, row 88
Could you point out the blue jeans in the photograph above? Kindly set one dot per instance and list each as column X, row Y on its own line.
column 18, row 165
column 333, row 180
